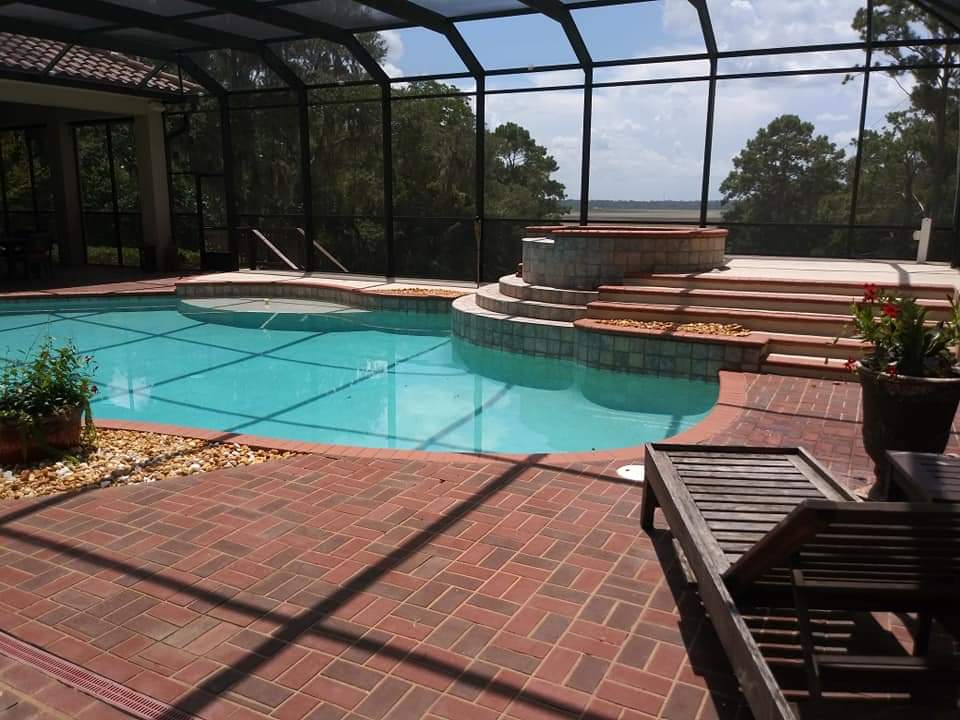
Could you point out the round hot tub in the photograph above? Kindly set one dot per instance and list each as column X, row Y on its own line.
column 584, row 257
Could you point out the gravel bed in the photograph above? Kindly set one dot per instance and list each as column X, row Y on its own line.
column 421, row 292
column 724, row 329
column 124, row 457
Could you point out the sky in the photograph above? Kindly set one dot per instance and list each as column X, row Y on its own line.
column 647, row 141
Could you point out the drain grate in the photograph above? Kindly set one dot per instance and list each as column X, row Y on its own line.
column 123, row 698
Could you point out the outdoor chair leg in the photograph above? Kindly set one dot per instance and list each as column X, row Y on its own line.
column 647, row 507
column 806, row 635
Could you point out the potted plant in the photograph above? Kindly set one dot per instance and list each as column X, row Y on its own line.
column 909, row 379
column 45, row 402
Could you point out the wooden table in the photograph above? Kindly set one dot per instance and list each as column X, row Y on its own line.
column 923, row 477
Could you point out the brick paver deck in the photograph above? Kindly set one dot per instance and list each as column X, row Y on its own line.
column 378, row 588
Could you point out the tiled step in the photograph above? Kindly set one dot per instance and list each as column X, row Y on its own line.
column 815, row 346
column 515, row 287
column 803, row 366
column 511, row 333
column 490, row 298
column 756, row 320
column 721, row 281
column 747, row 298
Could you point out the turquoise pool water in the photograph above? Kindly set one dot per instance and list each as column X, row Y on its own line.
column 348, row 376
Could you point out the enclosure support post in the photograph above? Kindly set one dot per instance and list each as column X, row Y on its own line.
column 306, row 180
column 3, row 194
column 955, row 251
column 858, row 158
column 108, row 132
column 226, row 141
column 293, row 81
column 708, row 143
column 585, row 145
column 955, row 254
column 226, row 144
column 386, row 117
column 480, row 169
column 710, row 42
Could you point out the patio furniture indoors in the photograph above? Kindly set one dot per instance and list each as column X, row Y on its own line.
column 768, row 533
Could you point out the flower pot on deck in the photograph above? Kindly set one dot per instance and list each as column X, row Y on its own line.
column 906, row 413
column 59, row 431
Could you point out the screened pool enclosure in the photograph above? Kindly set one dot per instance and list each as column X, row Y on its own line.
column 419, row 138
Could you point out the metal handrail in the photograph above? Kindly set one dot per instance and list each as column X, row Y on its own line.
column 322, row 249
column 273, row 248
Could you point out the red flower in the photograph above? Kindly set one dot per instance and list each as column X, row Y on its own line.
column 890, row 310
column 851, row 363
column 891, row 370
column 869, row 292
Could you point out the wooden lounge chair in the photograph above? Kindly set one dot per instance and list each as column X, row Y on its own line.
column 769, row 528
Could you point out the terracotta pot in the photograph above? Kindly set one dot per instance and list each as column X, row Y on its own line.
column 59, row 432
column 906, row 413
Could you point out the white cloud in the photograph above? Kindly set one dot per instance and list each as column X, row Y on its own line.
column 647, row 141
column 395, row 52
column 825, row 117
column 394, row 43
column 778, row 23
column 844, row 139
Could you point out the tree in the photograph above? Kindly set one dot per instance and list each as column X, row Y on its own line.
column 519, row 176
column 433, row 136
column 785, row 174
column 890, row 174
column 930, row 122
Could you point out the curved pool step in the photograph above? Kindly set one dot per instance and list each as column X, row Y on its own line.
column 516, row 287
column 513, row 333
column 490, row 298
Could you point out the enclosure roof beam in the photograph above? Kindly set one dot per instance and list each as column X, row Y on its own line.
column 706, row 26
column 119, row 16
column 556, row 10
column 301, row 25
column 281, row 69
column 424, row 17
column 947, row 13
column 32, row 28
column 201, row 76
column 82, row 84
column 150, row 76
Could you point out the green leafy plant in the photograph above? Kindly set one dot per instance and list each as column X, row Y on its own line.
column 48, row 381
column 903, row 342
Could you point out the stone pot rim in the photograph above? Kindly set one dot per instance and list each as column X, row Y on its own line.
column 63, row 412
column 878, row 375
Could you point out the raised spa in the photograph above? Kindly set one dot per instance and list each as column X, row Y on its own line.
column 584, row 257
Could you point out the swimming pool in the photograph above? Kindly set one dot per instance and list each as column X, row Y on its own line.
column 345, row 376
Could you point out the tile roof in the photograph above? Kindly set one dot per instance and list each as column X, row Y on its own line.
column 34, row 55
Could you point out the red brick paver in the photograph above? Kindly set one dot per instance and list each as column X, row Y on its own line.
column 372, row 586
column 378, row 588
column 91, row 281
column 822, row 416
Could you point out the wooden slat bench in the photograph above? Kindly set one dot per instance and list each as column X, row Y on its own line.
column 769, row 528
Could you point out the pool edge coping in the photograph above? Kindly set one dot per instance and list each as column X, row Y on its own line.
column 729, row 404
